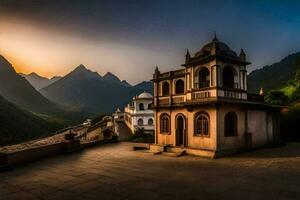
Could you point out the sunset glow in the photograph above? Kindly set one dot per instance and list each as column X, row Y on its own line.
column 53, row 38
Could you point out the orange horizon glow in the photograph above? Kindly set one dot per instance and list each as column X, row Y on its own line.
column 19, row 66
column 33, row 48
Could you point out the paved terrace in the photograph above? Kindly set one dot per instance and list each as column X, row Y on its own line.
column 114, row 171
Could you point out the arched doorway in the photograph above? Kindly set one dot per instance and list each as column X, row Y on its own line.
column 228, row 77
column 180, row 130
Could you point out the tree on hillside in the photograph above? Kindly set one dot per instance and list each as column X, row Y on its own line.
column 277, row 98
column 292, row 83
column 297, row 76
column 297, row 66
column 296, row 95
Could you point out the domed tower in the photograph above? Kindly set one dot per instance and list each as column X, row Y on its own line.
column 216, row 65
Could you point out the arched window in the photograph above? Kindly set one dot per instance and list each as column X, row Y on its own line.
column 165, row 89
column 141, row 106
column 150, row 122
column 228, row 77
column 164, row 123
column 230, row 124
column 201, row 124
column 203, row 78
column 140, row 122
column 179, row 87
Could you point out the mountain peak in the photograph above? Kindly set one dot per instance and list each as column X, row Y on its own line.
column 111, row 77
column 81, row 72
column 81, row 67
column 125, row 83
column 5, row 65
column 33, row 74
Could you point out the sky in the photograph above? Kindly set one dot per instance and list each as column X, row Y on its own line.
column 130, row 37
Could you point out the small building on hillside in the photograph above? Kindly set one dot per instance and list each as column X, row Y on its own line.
column 205, row 108
column 138, row 114
column 118, row 115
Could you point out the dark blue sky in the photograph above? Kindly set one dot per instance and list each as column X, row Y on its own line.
column 126, row 36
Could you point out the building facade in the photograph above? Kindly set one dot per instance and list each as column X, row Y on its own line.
column 205, row 109
column 139, row 115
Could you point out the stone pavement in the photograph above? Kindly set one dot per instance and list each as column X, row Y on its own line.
column 114, row 171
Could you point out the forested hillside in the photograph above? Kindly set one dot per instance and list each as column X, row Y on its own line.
column 17, row 125
column 273, row 76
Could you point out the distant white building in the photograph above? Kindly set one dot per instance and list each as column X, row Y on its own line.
column 118, row 115
column 138, row 114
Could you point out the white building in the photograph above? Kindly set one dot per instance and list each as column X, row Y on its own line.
column 138, row 114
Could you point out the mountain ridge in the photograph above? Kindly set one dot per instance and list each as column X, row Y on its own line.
column 273, row 76
column 87, row 90
column 39, row 82
column 18, row 124
column 17, row 90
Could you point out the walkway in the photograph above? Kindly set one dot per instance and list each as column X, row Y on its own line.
column 114, row 171
column 125, row 132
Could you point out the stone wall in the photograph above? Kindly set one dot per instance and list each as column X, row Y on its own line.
column 29, row 155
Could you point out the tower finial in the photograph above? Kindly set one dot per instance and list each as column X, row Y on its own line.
column 156, row 70
column 187, row 56
column 215, row 37
column 187, row 52
column 243, row 55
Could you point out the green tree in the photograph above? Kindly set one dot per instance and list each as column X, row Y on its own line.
column 291, row 82
column 297, row 67
column 296, row 94
column 277, row 98
column 297, row 76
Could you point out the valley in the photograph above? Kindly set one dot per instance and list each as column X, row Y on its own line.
column 33, row 106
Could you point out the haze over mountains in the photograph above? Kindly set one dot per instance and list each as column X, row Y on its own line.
column 83, row 89
column 39, row 82
column 26, row 113
column 19, row 91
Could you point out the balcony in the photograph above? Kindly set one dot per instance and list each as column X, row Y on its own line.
column 209, row 94
column 164, row 100
column 232, row 94
column 201, row 95
column 178, row 99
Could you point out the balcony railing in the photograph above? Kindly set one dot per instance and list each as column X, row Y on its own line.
column 231, row 94
column 164, row 100
column 178, row 99
column 201, row 95
column 210, row 94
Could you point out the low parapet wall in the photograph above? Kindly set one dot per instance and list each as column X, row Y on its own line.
column 29, row 155
column 24, row 156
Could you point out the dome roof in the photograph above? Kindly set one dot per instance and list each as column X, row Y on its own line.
column 145, row 95
column 221, row 48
